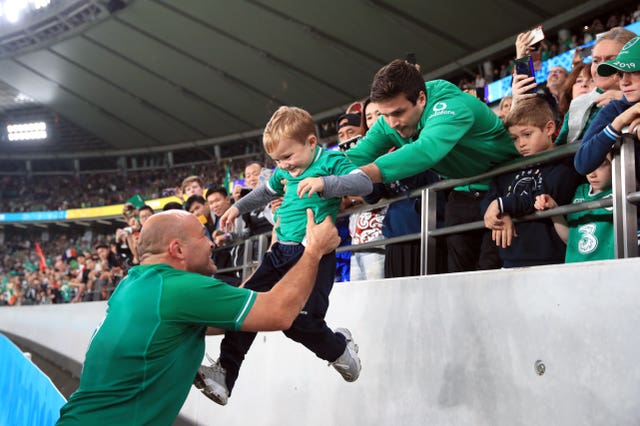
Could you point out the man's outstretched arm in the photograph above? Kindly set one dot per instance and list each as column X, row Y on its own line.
column 277, row 308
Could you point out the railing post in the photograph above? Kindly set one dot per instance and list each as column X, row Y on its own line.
column 625, row 223
column 428, row 223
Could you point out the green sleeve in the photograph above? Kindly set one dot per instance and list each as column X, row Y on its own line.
column 373, row 145
column 439, row 135
column 275, row 181
column 208, row 301
column 561, row 139
column 340, row 164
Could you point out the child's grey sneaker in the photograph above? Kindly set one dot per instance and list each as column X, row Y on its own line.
column 348, row 364
column 211, row 381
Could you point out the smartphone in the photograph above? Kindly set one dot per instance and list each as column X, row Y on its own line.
column 411, row 58
column 538, row 35
column 585, row 52
column 524, row 66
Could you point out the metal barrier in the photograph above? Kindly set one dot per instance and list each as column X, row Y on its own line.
column 624, row 203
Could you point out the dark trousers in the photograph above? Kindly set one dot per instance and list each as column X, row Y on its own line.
column 308, row 328
column 473, row 250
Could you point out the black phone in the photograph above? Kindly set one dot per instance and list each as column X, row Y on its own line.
column 411, row 58
column 586, row 52
column 524, row 66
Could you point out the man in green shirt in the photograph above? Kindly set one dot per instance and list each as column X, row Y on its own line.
column 144, row 356
column 434, row 125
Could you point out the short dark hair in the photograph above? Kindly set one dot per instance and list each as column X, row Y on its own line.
column 172, row 205
column 146, row 207
column 194, row 199
column 397, row 77
column 217, row 189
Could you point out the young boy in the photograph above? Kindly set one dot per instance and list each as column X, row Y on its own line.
column 511, row 195
column 588, row 233
column 304, row 170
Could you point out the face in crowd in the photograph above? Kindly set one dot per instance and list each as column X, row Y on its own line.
column 218, row 203
column 603, row 51
column 252, row 175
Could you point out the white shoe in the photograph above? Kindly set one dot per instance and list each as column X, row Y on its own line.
column 211, row 381
column 348, row 364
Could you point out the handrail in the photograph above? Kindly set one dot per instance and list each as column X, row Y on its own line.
column 624, row 222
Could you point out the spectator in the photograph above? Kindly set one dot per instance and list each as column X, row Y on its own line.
column 504, row 107
column 198, row 206
column 364, row 226
column 192, row 185
column 606, row 128
column 555, row 79
column 435, row 126
column 589, row 233
column 227, row 254
column 257, row 221
column 578, row 84
column 531, row 126
column 144, row 213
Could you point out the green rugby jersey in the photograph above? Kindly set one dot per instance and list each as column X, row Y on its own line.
column 144, row 356
column 293, row 211
column 590, row 231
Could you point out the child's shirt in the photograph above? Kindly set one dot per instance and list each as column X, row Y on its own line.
column 590, row 231
column 292, row 213
column 537, row 242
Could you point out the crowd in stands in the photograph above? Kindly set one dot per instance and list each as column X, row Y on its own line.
column 588, row 104
column 554, row 44
column 19, row 193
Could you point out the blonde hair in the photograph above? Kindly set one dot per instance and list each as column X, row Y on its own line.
column 193, row 178
column 530, row 112
column 619, row 34
column 287, row 122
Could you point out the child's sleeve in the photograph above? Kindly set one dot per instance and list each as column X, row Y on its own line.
column 354, row 183
column 258, row 197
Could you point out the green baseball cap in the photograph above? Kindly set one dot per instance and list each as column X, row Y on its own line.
column 628, row 60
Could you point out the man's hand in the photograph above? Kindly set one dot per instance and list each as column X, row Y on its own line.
column 607, row 97
column 493, row 217
column 227, row 221
column 311, row 186
column 322, row 238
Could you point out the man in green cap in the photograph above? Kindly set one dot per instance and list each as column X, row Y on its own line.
column 607, row 127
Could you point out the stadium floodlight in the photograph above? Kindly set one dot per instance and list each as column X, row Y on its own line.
column 27, row 131
column 12, row 10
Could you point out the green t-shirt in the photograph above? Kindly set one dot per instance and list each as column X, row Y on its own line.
column 292, row 212
column 590, row 231
column 143, row 357
column 458, row 137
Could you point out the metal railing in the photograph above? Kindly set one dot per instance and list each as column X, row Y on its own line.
column 624, row 202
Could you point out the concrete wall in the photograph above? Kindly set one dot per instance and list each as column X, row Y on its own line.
column 456, row 349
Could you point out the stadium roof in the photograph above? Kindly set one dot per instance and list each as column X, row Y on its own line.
column 145, row 75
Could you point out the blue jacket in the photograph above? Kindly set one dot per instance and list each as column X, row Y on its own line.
column 597, row 142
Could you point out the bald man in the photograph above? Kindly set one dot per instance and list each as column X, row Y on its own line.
column 144, row 356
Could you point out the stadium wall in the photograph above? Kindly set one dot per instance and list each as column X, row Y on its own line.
column 552, row 345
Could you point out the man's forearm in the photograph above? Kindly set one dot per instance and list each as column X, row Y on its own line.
column 373, row 172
